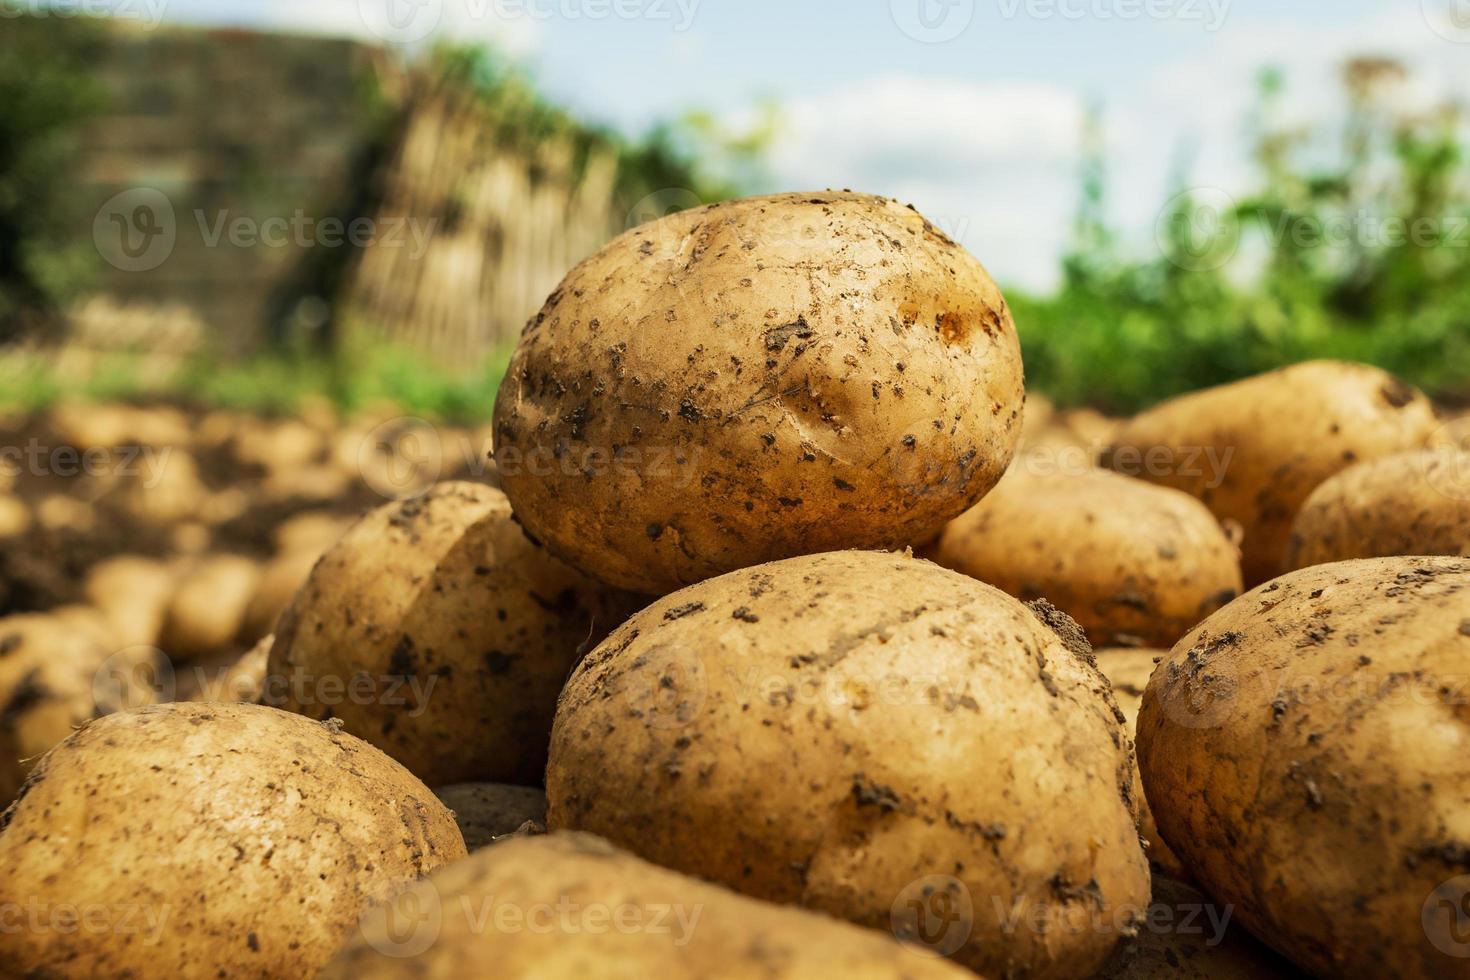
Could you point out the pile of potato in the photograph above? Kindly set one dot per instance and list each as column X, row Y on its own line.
column 680, row 691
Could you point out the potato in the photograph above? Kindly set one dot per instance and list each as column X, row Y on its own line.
column 1133, row 564
column 15, row 516
column 485, row 811
column 1415, row 503
column 757, row 380
column 242, row 681
column 208, row 608
column 207, row 840
column 310, row 530
column 853, row 731
column 1305, row 753
column 134, row 593
column 438, row 632
column 1128, row 672
column 1188, row 936
column 49, row 683
column 1254, row 450
column 279, row 582
column 569, row 906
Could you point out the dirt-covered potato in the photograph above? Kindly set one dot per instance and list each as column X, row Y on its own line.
column 1128, row 670
column 242, row 681
column 1254, row 450
column 485, row 811
column 570, row 906
column 1305, row 753
column 439, row 632
column 208, row 608
column 1189, row 936
column 134, row 593
column 1132, row 563
column 49, row 684
column 1454, row 434
column 755, row 380
column 1415, row 503
column 854, row 732
column 210, row 840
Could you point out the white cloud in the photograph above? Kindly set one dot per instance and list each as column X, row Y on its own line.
column 992, row 164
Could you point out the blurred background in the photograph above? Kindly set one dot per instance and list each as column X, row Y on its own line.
column 246, row 202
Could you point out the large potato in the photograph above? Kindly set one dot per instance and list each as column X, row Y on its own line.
column 856, row 732
column 571, row 906
column 1415, row 503
column 210, row 840
column 1128, row 671
column 439, row 633
column 756, row 380
column 208, row 609
column 1306, row 751
column 1132, row 563
column 1254, row 450
column 1189, row 936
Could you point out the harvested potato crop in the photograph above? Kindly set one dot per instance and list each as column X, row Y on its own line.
column 1304, row 752
column 438, row 632
column 208, row 608
column 1189, row 936
column 49, row 684
column 245, row 841
column 1133, row 564
column 1128, row 671
column 784, row 731
column 1415, row 503
column 568, row 906
column 755, row 380
column 485, row 811
column 1254, row 450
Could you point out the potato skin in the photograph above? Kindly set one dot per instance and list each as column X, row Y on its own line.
column 703, row 931
column 463, row 628
column 1414, row 503
column 1132, row 563
column 756, row 380
column 1304, row 751
column 1128, row 672
column 485, row 811
column 1189, row 936
column 779, row 731
column 1254, row 450
column 254, row 838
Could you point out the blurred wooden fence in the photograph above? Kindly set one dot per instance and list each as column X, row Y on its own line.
column 497, row 228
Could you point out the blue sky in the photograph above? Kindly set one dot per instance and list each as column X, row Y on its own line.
column 971, row 109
